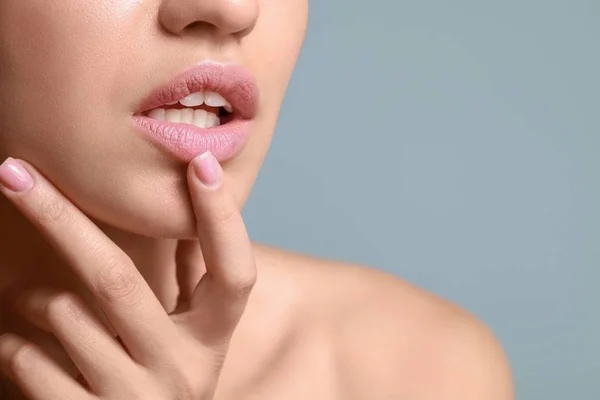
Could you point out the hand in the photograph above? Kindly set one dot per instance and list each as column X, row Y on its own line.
column 175, row 357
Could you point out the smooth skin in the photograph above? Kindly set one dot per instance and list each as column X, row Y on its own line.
column 393, row 342
column 124, row 277
column 176, row 356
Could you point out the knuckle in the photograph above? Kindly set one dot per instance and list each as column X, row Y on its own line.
column 51, row 210
column 186, row 390
column 22, row 359
column 118, row 280
column 60, row 307
column 245, row 283
column 223, row 214
column 241, row 286
column 189, row 383
column 191, row 387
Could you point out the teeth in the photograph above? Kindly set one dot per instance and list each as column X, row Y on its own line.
column 211, row 99
column 187, row 116
column 200, row 118
column 157, row 113
column 173, row 116
column 205, row 119
column 213, row 120
column 193, row 100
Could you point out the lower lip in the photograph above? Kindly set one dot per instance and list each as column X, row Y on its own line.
column 186, row 141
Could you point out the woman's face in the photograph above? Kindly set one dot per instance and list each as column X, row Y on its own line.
column 73, row 74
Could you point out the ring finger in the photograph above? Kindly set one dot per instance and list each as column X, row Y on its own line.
column 96, row 353
column 36, row 374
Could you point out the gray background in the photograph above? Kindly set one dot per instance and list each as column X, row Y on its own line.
column 455, row 144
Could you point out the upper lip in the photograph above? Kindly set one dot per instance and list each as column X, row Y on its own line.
column 231, row 81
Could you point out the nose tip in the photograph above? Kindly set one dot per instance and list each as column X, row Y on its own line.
column 229, row 17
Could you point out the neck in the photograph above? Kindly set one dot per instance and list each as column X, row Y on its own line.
column 25, row 255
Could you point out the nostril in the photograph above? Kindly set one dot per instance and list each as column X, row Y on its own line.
column 199, row 27
column 195, row 24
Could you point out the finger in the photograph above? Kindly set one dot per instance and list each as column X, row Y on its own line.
column 190, row 268
column 43, row 338
column 96, row 353
column 125, row 297
column 223, row 291
column 39, row 377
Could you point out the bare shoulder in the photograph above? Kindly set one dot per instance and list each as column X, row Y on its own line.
column 391, row 339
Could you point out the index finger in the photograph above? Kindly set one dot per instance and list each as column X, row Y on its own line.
column 223, row 292
column 121, row 291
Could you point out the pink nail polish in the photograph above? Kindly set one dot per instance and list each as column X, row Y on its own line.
column 14, row 176
column 207, row 169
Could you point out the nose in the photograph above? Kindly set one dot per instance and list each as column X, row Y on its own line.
column 228, row 17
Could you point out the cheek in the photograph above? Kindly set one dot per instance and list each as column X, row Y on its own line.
column 57, row 42
column 59, row 67
column 274, row 45
column 272, row 58
column 271, row 51
column 51, row 58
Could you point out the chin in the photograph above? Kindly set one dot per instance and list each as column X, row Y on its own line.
column 154, row 207
column 159, row 217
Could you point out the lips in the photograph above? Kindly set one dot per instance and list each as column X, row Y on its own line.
column 185, row 141
column 232, row 82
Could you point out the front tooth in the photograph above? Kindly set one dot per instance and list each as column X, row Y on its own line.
column 158, row 114
column 213, row 99
column 193, row 100
column 172, row 103
column 200, row 118
column 187, row 116
column 173, row 115
column 213, row 120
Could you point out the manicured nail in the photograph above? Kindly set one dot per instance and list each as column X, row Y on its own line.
column 14, row 176
column 207, row 169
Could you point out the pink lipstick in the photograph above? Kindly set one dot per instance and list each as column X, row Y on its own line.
column 174, row 117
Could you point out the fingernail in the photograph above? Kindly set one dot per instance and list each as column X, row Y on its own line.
column 207, row 169
column 14, row 176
